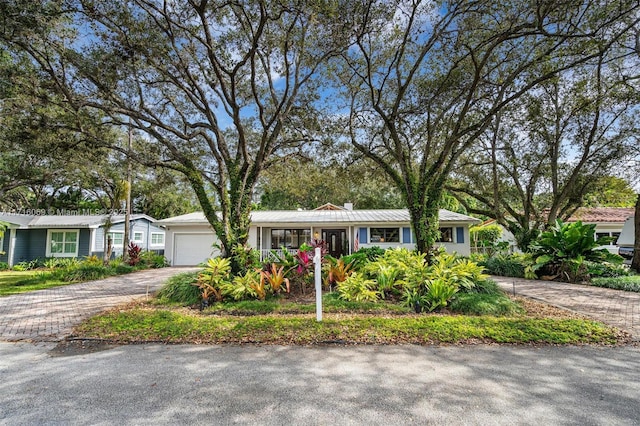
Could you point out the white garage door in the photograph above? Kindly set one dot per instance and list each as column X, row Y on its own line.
column 192, row 249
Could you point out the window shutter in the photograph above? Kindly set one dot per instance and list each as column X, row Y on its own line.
column 363, row 236
column 406, row 235
column 460, row 235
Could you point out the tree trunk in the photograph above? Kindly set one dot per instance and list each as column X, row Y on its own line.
column 425, row 217
column 635, row 262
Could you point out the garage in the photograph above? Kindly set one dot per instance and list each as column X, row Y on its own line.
column 193, row 248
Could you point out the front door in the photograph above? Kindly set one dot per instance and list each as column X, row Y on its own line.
column 335, row 239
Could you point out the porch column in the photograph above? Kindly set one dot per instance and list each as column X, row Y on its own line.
column 12, row 247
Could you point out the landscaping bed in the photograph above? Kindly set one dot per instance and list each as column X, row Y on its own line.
column 537, row 324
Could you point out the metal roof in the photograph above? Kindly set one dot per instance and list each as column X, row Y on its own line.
column 294, row 217
column 64, row 221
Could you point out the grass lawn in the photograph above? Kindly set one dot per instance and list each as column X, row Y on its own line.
column 14, row 282
column 147, row 322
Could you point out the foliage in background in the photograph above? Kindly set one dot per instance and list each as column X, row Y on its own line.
column 561, row 252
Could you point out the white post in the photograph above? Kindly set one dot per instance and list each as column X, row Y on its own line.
column 317, row 260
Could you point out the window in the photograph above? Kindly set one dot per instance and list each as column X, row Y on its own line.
column 289, row 238
column 613, row 235
column 138, row 237
column 385, row 235
column 62, row 243
column 157, row 238
column 446, row 235
column 117, row 238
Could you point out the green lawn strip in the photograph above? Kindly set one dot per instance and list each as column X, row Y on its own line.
column 330, row 304
column 15, row 282
column 143, row 325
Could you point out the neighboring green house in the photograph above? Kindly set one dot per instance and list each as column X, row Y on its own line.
column 30, row 237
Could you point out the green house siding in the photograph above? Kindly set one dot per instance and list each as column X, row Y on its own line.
column 30, row 244
column 84, row 243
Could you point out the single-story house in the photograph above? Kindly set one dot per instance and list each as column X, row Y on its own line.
column 190, row 238
column 627, row 239
column 31, row 237
column 608, row 220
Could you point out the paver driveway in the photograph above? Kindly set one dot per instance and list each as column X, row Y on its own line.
column 49, row 315
column 617, row 308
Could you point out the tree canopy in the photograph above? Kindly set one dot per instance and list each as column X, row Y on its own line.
column 425, row 80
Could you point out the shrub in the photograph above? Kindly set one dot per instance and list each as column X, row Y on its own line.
column 275, row 279
column 560, row 253
column 154, row 260
column 356, row 288
column 243, row 286
column 248, row 258
column 337, row 270
column 92, row 260
column 212, row 279
column 27, row 266
column 630, row 283
column 85, row 272
column 486, row 287
column 506, row 266
column 605, row 269
column 371, row 253
column 462, row 273
column 484, row 304
column 439, row 293
column 410, row 266
column 180, row 289
column 4, row 266
column 133, row 250
column 121, row 268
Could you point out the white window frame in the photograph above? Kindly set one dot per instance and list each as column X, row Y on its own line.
column 2, row 243
column 48, row 252
column 157, row 244
column 113, row 240
column 397, row 228
column 138, row 240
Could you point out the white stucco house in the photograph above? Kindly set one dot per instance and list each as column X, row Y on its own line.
column 609, row 222
column 190, row 239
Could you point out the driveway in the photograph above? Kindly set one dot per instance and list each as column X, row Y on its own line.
column 617, row 308
column 322, row 385
column 50, row 315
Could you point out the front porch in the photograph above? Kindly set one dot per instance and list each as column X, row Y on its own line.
column 271, row 242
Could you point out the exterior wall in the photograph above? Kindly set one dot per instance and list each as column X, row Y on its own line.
column 138, row 226
column 30, row 244
column 609, row 228
column 260, row 236
column 459, row 245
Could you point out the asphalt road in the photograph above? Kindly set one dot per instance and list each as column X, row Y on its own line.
column 273, row 385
